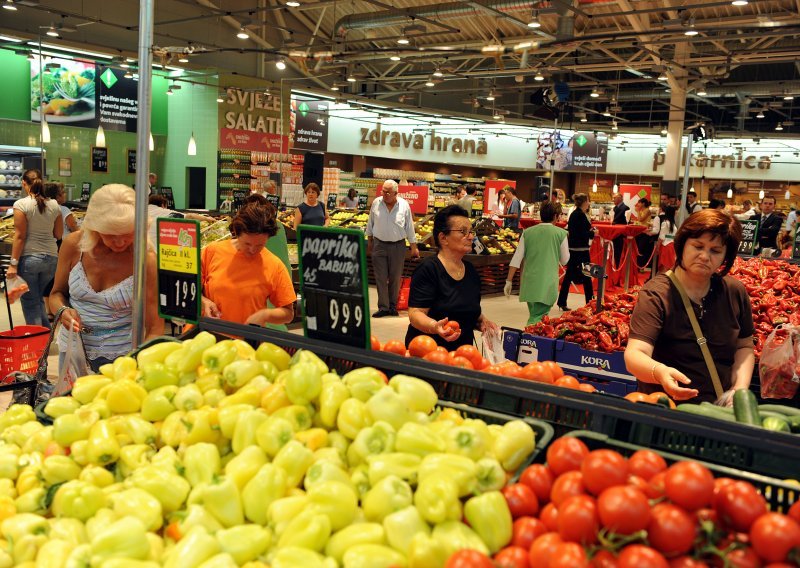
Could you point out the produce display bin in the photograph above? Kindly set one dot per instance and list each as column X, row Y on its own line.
column 752, row 449
column 576, row 360
column 779, row 494
column 23, row 392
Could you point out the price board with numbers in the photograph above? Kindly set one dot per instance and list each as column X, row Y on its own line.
column 239, row 195
column 99, row 159
column 333, row 285
column 178, row 269
column 749, row 236
column 274, row 199
column 86, row 190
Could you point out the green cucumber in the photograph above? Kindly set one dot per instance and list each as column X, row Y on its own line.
column 705, row 411
column 776, row 424
column 745, row 407
column 765, row 413
column 783, row 409
column 794, row 423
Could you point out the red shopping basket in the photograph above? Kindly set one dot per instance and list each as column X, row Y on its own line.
column 21, row 348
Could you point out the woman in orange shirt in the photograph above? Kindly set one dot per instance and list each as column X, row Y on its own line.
column 240, row 275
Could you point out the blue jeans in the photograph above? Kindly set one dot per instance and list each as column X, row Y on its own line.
column 37, row 270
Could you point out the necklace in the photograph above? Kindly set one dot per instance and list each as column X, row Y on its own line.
column 456, row 272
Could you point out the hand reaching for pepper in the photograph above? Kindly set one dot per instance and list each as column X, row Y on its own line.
column 672, row 379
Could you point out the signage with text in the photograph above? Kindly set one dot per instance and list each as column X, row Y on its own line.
column 99, row 159
column 333, row 285
column 179, row 269
column 796, row 247
column 239, row 195
column 491, row 193
column 579, row 151
column 252, row 115
column 131, row 161
column 86, row 190
column 749, row 236
column 274, row 199
column 253, row 141
column 167, row 192
column 416, row 195
column 309, row 122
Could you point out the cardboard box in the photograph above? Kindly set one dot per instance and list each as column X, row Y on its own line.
column 575, row 360
column 534, row 348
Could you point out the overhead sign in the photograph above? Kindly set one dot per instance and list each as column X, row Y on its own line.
column 178, row 269
column 749, row 236
column 578, row 151
column 416, row 195
column 252, row 115
column 333, row 285
column 309, row 124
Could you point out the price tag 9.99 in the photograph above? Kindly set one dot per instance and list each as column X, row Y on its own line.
column 342, row 314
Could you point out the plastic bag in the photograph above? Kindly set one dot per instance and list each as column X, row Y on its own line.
column 15, row 287
column 493, row 346
column 405, row 292
column 75, row 364
column 779, row 366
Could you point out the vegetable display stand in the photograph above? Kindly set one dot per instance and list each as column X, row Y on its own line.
column 723, row 443
column 779, row 494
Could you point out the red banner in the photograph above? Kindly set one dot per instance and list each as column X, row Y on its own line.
column 416, row 195
column 491, row 191
column 253, row 141
column 633, row 192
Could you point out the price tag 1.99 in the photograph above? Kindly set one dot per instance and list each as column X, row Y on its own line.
column 333, row 285
column 178, row 269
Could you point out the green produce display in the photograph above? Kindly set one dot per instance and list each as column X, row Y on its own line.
column 212, row 453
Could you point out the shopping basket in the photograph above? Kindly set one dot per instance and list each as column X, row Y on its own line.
column 21, row 347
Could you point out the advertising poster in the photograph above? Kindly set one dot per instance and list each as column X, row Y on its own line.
column 491, row 193
column 416, row 195
column 309, row 124
column 253, row 115
column 633, row 192
column 577, row 152
column 80, row 93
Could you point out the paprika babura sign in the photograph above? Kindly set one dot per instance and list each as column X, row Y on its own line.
column 333, row 285
column 749, row 236
column 178, row 269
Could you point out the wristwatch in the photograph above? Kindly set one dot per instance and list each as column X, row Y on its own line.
column 14, row 262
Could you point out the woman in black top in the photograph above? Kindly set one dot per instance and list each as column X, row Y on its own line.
column 311, row 211
column 445, row 287
column 580, row 233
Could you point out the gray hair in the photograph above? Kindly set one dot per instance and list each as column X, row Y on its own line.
column 390, row 184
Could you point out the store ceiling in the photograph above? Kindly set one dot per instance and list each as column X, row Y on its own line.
column 745, row 58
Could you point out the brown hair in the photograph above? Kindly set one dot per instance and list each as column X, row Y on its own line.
column 33, row 179
column 256, row 219
column 158, row 200
column 312, row 187
column 717, row 223
column 579, row 199
column 52, row 189
column 255, row 198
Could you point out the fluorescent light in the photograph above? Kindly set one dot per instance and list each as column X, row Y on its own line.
column 493, row 48
column 403, row 41
column 152, row 142
column 52, row 32
column 280, row 64
column 45, row 131
column 70, row 50
column 192, row 149
column 9, row 5
column 100, row 139
column 9, row 38
column 242, row 34
column 395, row 58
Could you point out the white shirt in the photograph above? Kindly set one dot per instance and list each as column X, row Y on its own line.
column 519, row 254
column 391, row 225
column 665, row 235
column 791, row 221
column 746, row 215
column 655, row 228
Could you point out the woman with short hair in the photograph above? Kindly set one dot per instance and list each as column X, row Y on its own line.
column 663, row 351
column 311, row 211
column 579, row 237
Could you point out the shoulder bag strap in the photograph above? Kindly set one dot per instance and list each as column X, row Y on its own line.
column 701, row 341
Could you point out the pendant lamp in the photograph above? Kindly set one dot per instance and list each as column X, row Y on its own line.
column 100, row 139
column 45, row 131
column 192, row 151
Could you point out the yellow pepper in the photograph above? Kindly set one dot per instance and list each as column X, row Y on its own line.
column 294, row 556
column 9, row 458
column 213, row 397
column 86, row 388
column 363, row 382
column 133, row 457
column 124, row 538
column 175, row 429
column 403, row 465
column 321, row 471
column 96, row 475
column 78, row 500
column 33, row 501
column 307, row 530
column 329, row 454
column 7, row 507
column 156, row 375
column 437, row 500
column 229, row 415
column 188, row 398
column 470, row 439
column 16, row 414
column 100, row 406
column 387, row 496
column 124, row 368
column 20, row 433
column 352, row 417
column 282, row 511
column 244, row 434
column 333, row 394
column 418, row 395
column 274, row 397
column 208, row 382
column 243, row 467
column 426, row 552
column 60, row 405
column 217, row 357
column 355, row 534
column 373, row 555
column 167, row 486
column 240, row 372
column 359, row 477
column 418, row 439
column 158, row 404
column 388, row 406
column 455, row 536
column 376, row 439
column 335, row 499
column 460, row 469
column 97, row 524
column 489, row 516
column 156, row 353
column 402, row 526
column 250, row 393
column 79, row 452
column 123, row 396
column 298, row 416
column 138, row 429
column 103, row 447
column 138, row 503
column 313, row 438
column 304, row 383
column 305, row 356
column 245, row 542
column 69, row 530
column 265, row 487
column 201, row 462
column 202, row 425
column 514, row 444
column 194, row 515
column 220, row 498
column 274, row 354
column 58, row 469
column 191, row 355
column 295, row 459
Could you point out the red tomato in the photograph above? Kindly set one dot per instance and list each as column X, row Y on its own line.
column 578, row 520
column 742, row 558
column 452, row 327
column 492, row 369
column 566, row 454
column 671, row 530
column 567, row 382
column 602, row 469
column 719, row 484
column 539, row 478
column 549, row 517
column 421, row 345
column 773, row 535
column 536, row 372
column 646, row 464
column 469, row 559
column 512, row 557
column 686, row 562
column 510, row 369
column 689, row 485
column 394, row 346
column 638, row 556
column 541, row 550
column 739, row 505
column 556, row 372
column 568, row 555
column 658, row 484
column 794, row 511
column 438, row 357
column 643, row 486
column 521, row 500
column 471, row 353
column 483, row 364
column 603, row 559
column 375, row 345
column 623, row 509
column 566, row 486
column 526, row 530
column 462, row 362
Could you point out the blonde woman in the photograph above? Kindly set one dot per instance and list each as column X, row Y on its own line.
column 93, row 289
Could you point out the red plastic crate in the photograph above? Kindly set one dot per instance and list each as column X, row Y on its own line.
column 21, row 348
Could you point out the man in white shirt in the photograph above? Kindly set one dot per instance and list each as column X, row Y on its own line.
column 390, row 224
column 747, row 211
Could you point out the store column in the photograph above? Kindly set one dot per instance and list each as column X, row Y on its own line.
column 678, row 81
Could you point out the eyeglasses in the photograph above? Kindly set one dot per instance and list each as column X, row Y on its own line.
column 464, row 232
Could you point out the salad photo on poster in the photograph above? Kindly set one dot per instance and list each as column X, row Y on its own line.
column 63, row 90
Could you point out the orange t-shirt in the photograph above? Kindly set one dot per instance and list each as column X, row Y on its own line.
column 239, row 285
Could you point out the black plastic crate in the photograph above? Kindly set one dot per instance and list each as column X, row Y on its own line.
column 779, row 494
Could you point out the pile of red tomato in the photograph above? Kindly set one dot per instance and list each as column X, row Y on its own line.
column 468, row 357
column 598, row 509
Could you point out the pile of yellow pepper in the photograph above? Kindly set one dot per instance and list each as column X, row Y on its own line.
column 214, row 454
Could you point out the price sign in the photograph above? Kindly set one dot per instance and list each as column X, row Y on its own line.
column 362, row 202
column 749, row 236
column 86, row 190
column 99, row 159
column 332, row 196
column 131, row 161
column 167, row 192
column 796, row 247
column 333, row 284
column 274, row 199
column 238, row 195
column 178, row 269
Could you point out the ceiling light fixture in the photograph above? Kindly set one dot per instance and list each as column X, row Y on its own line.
column 584, row 119
column 760, row 113
column 662, row 76
column 334, row 87
column 438, row 73
column 730, row 193
column 491, row 96
column 538, row 76
column 614, row 125
column 594, row 187
column 128, row 74
column 788, row 97
column 497, row 116
column 9, row 5
column 220, row 99
column 739, row 3
column 351, row 78
column 242, row 33
column 690, row 31
column 701, row 91
column 761, row 194
column 52, row 32
column 403, row 40
column 429, row 83
column 595, row 93
column 183, row 59
column 607, row 112
column 45, row 131
column 280, row 64
column 779, row 127
column 152, row 142
column 100, row 138
column 395, row 58
column 293, row 4
column 192, row 148
column 787, row 195
column 169, row 91
column 664, row 130
column 534, row 22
